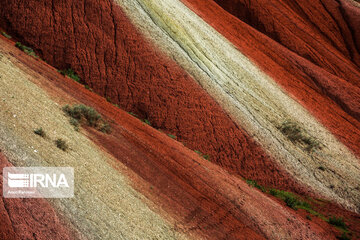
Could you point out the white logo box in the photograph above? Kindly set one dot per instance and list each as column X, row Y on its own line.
column 38, row 182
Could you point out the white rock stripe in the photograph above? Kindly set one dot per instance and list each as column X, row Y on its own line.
column 251, row 97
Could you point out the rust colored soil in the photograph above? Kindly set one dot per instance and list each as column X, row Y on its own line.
column 118, row 63
column 28, row 218
column 202, row 198
column 317, row 67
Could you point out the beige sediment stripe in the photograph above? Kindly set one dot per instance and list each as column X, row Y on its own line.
column 251, row 97
column 105, row 206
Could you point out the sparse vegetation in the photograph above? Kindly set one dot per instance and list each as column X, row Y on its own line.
column 105, row 128
column 322, row 168
column 75, row 123
column 296, row 134
column 255, row 184
column 6, row 35
column 172, row 136
column 40, row 132
column 147, row 122
column 296, row 202
column 339, row 222
column 71, row 74
column 133, row 114
column 291, row 200
column 205, row 156
column 29, row 51
column 61, row 144
column 84, row 114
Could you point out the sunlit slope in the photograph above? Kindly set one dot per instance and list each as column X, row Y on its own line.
column 198, row 197
column 105, row 205
column 254, row 100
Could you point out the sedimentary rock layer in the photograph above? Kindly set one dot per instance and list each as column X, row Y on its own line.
column 204, row 201
column 101, row 44
column 252, row 98
column 115, row 59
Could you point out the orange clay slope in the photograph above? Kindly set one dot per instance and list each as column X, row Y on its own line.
column 194, row 196
column 116, row 61
column 312, row 51
column 217, row 83
column 280, row 124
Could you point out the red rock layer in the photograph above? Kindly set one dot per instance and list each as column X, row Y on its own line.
column 28, row 218
column 201, row 198
column 98, row 41
column 313, row 53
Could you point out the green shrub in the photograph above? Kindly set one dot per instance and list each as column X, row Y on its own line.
column 61, row 144
column 308, row 217
column 6, row 35
column 321, row 168
column 147, row 122
column 255, row 184
column 29, row 51
column 133, row 114
column 71, row 74
column 205, row 156
column 105, row 128
column 40, row 132
column 82, row 113
column 75, row 123
column 339, row 222
column 291, row 200
column 295, row 133
column 172, row 136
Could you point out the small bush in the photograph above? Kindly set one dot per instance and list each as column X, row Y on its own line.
column 295, row 133
column 308, row 217
column 61, row 144
column 339, row 222
column 291, row 200
column 71, row 74
column 6, row 35
column 321, row 168
column 81, row 113
column 147, row 122
column 205, row 156
column 29, row 51
column 75, row 123
column 172, row 136
column 133, row 114
column 255, row 184
column 105, row 128
column 40, row 132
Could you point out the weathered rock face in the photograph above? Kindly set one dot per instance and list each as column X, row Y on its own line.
column 104, row 48
column 322, row 31
column 315, row 61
